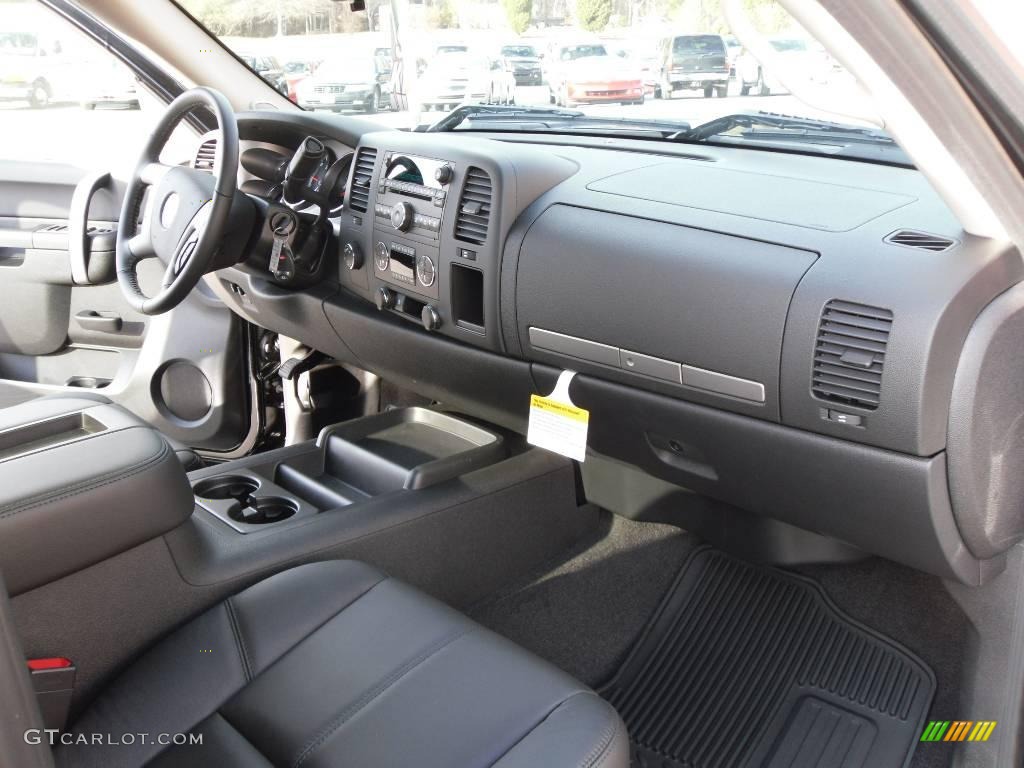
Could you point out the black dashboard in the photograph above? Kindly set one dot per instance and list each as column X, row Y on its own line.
column 810, row 339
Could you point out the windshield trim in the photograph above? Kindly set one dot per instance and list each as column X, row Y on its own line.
column 790, row 148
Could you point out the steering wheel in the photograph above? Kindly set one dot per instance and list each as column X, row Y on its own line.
column 187, row 211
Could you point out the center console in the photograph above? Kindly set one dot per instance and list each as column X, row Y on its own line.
column 393, row 452
column 423, row 224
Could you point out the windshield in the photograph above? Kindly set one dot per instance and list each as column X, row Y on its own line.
column 698, row 44
column 573, row 52
column 786, row 46
column 449, row 60
column 672, row 64
column 524, row 51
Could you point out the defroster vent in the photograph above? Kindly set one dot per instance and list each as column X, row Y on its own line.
column 474, row 208
column 206, row 156
column 362, row 179
column 850, row 354
column 910, row 238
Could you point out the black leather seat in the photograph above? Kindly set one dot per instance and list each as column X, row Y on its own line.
column 335, row 664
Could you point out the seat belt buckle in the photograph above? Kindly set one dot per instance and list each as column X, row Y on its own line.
column 53, row 680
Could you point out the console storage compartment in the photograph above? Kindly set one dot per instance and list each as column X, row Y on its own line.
column 81, row 480
column 405, row 449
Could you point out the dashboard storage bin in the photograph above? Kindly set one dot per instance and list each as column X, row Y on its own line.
column 407, row 448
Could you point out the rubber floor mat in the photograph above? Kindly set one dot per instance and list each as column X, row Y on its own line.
column 745, row 665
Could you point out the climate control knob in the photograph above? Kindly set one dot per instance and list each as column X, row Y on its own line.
column 402, row 215
column 384, row 298
column 351, row 256
column 382, row 256
column 443, row 174
column 430, row 317
column 426, row 272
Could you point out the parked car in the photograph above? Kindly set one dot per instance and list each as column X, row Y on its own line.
column 585, row 73
column 525, row 61
column 268, row 68
column 642, row 58
column 454, row 77
column 808, row 58
column 111, row 84
column 502, row 81
column 34, row 68
column 733, row 49
column 294, row 73
column 693, row 62
column 350, row 84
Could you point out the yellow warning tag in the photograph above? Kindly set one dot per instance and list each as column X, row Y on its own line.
column 558, row 425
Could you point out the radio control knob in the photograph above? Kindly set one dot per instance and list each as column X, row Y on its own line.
column 443, row 174
column 352, row 256
column 430, row 317
column 384, row 298
column 401, row 216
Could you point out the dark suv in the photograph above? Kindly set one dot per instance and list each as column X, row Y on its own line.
column 524, row 61
column 693, row 62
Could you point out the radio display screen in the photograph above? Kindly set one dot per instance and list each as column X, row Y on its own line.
column 403, row 266
column 412, row 169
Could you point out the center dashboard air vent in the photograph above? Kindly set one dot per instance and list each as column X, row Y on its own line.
column 206, row 156
column 910, row 238
column 362, row 179
column 850, row 354
column 474, row 213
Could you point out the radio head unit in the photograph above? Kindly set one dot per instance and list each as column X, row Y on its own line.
column 411, row 194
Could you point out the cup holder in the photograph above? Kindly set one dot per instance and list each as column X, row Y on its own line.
column 236, row 491
column 267, row 509
column 235, row 487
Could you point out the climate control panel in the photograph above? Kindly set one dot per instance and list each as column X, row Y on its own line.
column 413, row 266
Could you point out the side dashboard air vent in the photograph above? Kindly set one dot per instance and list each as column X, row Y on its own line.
column 205, row 156
column 362, row 179
column 850, row 354
column 474, row 208
column 910, row 238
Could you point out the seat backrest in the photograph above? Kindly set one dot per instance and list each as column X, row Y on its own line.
column 19, row 712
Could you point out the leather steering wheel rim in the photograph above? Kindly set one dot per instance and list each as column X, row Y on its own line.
column 187, row 210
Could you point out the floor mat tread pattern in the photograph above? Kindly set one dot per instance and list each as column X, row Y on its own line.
column 745, row 665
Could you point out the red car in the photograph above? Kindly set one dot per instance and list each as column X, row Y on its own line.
column 587, row 74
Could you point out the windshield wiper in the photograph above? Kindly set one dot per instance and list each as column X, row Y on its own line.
column 465, row 112
column 497, row 117
column 784, row 128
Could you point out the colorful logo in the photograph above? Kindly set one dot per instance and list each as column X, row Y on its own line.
column 958, row 730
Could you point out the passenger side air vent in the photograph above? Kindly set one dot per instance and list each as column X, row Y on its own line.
column 850, row 354
column 474, row 208
column 362, row 179
column 206, row 156
column 909, row 238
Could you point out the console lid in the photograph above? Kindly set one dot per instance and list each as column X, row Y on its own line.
column 81, row 480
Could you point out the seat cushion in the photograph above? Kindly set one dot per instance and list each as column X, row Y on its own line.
column 335, row 664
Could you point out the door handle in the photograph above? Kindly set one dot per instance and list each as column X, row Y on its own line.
column 78, row 223
column 105, row 322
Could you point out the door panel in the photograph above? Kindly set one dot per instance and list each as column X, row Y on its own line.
column 185, row 372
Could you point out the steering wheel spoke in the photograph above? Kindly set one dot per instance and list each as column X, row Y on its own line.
column 153, row 173
column 141, row 246
column 186, row 211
